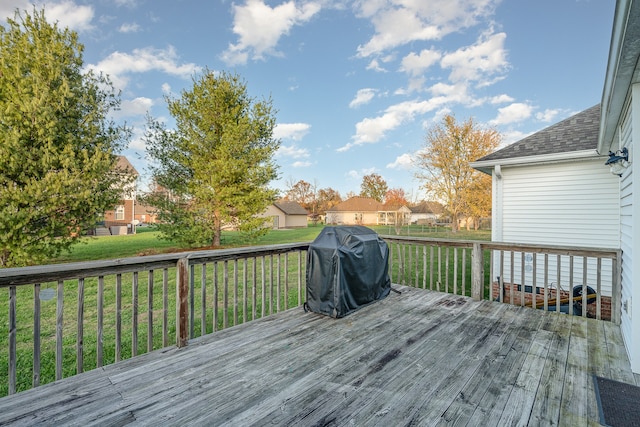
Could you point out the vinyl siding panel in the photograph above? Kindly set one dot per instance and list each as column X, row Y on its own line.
column 626, row 234
column 572, row 204
column 561, row 204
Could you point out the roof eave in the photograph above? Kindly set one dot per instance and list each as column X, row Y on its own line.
column 487, row 166
column 624, row 51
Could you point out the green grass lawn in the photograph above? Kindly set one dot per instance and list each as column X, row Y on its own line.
column 147, row 241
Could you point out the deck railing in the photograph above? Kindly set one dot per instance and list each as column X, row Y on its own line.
column 578, row 281
column 69, row 318
column 65, row 319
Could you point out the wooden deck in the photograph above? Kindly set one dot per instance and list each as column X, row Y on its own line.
column 419, row 358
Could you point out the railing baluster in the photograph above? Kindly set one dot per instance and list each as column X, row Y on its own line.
column 59, row 329
column 286, row 281
column 80, row 331
column 134, row 314
column 571, row 285
column 558, row 276
column 165, row 307
column 118, row 355
column 278, row 274
column 215, row 296
column 100, row 326
column 203, row 300
column 235, row 292
column 192, row 302
column 599, row 289
column 264, row 290
column 13, row 357
column 254, row 289
column 511, row 278
column 150, row 311
column 455, row 271
column 546, row 282
column 36, row 335
column 245, row 297
column 225, row 295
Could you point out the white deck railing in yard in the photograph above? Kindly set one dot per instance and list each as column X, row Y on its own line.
column 68, row 318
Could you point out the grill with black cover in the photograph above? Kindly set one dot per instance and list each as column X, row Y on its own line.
column 347, row 268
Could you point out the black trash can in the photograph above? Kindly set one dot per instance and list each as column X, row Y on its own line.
column 347, row 268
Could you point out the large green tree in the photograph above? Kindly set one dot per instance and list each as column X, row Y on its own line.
column 216, row 165
column 57, row 162
column 374, row 186
column 444, row 166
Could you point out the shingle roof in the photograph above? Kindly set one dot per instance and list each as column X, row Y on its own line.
column 358, row 204
column 124, row 165
column 290, row 207
column 427, row 207
column 578, row 132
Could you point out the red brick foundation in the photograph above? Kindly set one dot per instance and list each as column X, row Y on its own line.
column 512, row 292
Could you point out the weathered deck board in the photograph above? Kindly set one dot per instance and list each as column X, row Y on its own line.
column 419, row 358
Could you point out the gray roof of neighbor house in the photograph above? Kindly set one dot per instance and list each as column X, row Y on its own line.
column 290, row 207
column 427, row 208
column 577, row 133
column 358, row 204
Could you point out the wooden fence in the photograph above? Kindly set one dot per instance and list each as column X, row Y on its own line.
column 69, row 318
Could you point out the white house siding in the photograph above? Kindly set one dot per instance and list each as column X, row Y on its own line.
column 571, row 204
column 628, row 132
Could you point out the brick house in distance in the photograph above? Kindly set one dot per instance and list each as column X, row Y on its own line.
column 120, row 220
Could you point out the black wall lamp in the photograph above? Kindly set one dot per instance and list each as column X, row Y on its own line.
column 618, row 161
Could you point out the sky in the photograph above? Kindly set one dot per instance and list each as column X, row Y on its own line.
column 356, row 84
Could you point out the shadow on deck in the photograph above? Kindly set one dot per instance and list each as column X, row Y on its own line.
column 419, row 358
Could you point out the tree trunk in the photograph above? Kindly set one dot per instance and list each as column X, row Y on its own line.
column 217, row 230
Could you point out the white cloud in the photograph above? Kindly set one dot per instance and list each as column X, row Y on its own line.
column 362, row 97
column 129, row 28
column 501, row 99
column 70, row 14
column 134, row 107
column 259, row 28
column 119, row 65
column 400, row 22
column 166, row 88
column 417, row 64
column 66, row 13
column 515, row 112
column 479, row 61
column 294, row 131
column 404, row 161
column 301, row 164
column 292, row 151
column 371, row 130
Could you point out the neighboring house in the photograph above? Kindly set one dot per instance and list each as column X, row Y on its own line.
column 287, row 214
column 394, row 215
column 620, row 130
column 120, row 219
column 145, row 214
column 355, row 211
column 426, row 213
column 551, row 188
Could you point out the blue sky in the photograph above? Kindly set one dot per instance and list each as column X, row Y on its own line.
column 357, row 84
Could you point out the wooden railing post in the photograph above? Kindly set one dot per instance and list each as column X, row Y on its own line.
column 476, row 272
column 182, row 302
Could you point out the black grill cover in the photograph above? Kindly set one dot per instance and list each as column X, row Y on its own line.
column 347, row 268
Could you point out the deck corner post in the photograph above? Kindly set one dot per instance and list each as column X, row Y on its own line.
column 182, row 302
column 476, row 272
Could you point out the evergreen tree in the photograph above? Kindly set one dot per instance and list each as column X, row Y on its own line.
column 217, row 163
column 57, row 162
